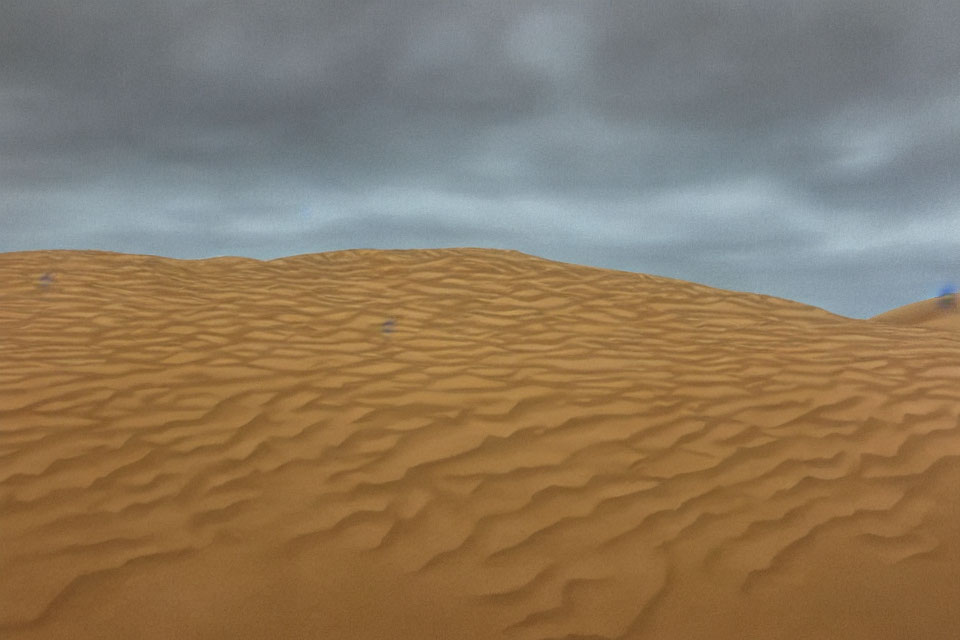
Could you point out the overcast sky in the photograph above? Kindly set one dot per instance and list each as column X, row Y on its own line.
column 807, row 149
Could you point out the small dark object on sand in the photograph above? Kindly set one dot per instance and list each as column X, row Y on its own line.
column 389, row 326
column 947, row 298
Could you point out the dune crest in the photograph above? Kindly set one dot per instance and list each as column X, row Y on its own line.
column 935, row 313
column 237, row 448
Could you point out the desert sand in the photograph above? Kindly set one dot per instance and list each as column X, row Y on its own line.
column 933, row 313
column 230, row 448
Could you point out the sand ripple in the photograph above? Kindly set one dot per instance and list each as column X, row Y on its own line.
column 233, row 448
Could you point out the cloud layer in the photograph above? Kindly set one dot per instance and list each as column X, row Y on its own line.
column 808, row 150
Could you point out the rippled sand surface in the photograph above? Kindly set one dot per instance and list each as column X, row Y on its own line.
column 230, row 448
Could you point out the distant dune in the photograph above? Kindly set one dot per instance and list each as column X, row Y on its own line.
column 230, row 448
column 926, row 313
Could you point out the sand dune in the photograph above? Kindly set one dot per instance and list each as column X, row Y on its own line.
column 231, row 448
column 932, row 313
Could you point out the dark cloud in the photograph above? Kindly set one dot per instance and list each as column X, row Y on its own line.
column 794, row 148
column 750, row 65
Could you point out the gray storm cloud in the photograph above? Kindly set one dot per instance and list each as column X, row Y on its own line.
column 808, row 150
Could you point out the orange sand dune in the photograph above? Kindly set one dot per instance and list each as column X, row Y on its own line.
column 926, row 313
column 230, row 448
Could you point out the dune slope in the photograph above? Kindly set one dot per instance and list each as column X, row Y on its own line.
column 932, row 313
column 231, row 448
